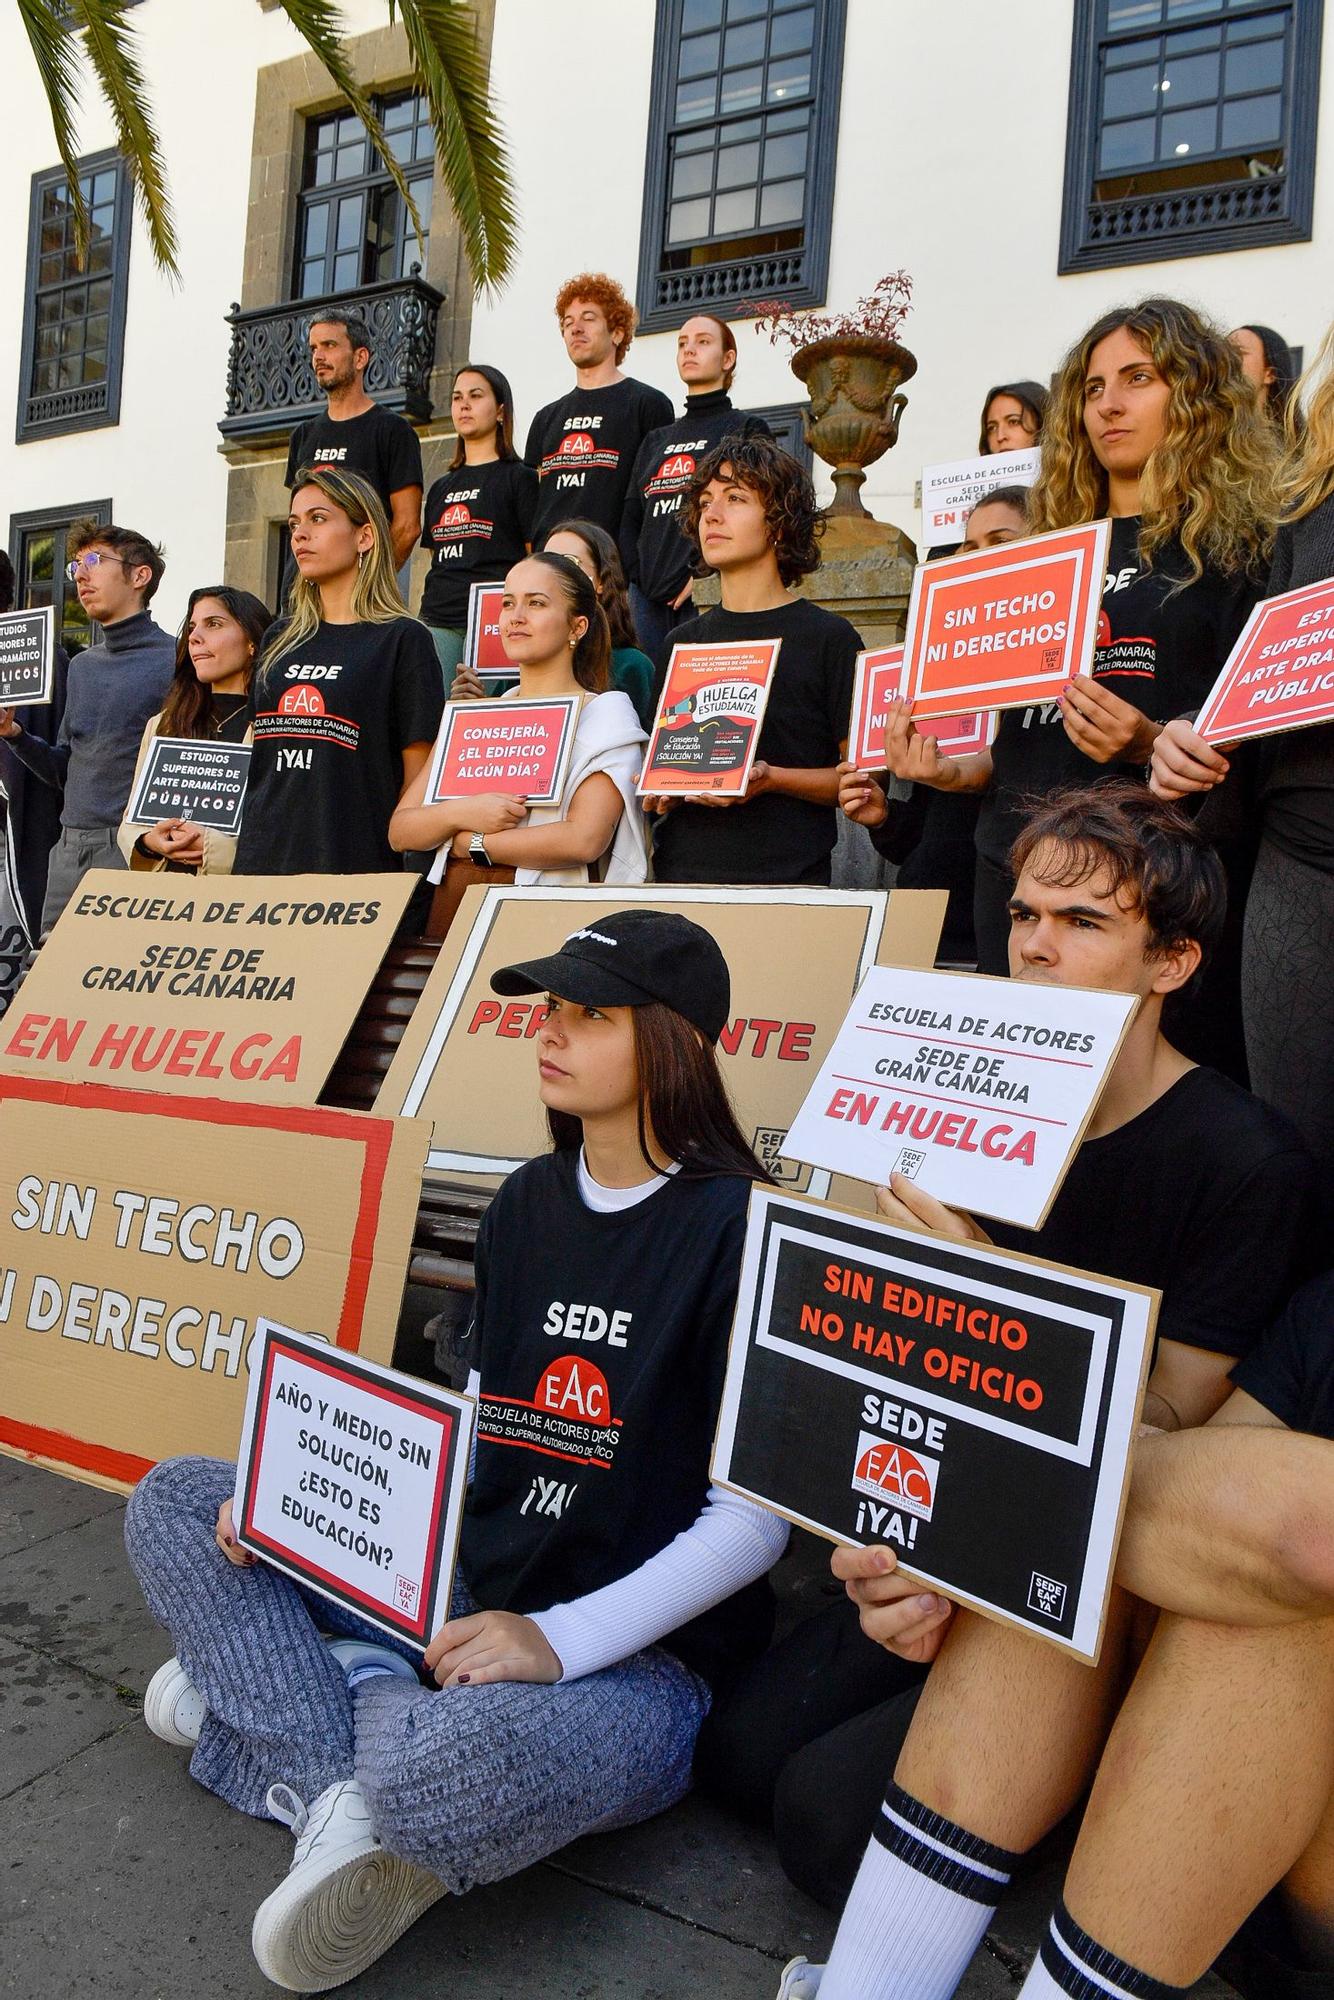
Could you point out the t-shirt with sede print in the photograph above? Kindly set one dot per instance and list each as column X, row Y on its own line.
column 381, row 447
column 477, row 524
column 583, row 449
column 601, row 1351
column 332, row 717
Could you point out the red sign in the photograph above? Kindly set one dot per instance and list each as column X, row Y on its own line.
column 517, row 747
column 707, row 727
column 1007, row 626
column 879, row 681
column 1280, row 673
column 482, row 650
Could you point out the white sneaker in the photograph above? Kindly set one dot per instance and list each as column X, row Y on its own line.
column 173, row 1706
column 801, row 1980
column 343, row 1902
column 360, row 1660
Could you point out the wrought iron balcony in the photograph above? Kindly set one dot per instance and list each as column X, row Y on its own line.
column 269, row 384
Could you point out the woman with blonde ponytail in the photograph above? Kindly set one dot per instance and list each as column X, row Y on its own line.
column 346, row 699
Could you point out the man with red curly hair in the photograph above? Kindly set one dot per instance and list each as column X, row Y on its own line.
column 583, row 447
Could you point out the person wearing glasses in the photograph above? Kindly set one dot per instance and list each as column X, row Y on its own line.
column 114, row 687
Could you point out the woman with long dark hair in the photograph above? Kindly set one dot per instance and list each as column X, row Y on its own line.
column 1267, row 363
column 585, row 543
column 209, row 698
column 1012, row 417
column 478, row 518
column 604, row 1587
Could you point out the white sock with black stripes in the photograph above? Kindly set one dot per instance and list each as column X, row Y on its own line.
column 1073, row 1966
column 924, row 1895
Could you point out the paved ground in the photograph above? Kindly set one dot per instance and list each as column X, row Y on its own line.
column 120, row 1879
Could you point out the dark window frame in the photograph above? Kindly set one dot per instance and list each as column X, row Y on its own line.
column 1284, row 204
column 34, row 521
column 29, row 428
column 372, row 184
column 785, row 421
column 666, row 297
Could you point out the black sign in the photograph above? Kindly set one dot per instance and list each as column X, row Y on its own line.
column 970, row 1407
column 26, row 653
column 184, row 778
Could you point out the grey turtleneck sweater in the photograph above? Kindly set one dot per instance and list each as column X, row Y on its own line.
column 113, row 689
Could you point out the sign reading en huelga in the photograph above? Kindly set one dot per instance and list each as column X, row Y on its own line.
column 184, row 778
column 351, row 1478
column 973, row 1408
column 27, row 656
column 950, row 492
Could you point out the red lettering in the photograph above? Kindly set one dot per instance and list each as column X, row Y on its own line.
column 796, row 1043
column 763, row 1031
column 486, row 1012
column 114, row 1042
column 207, row 1066
column 511, row 1021
column 181, row 1062
column 730, row 1039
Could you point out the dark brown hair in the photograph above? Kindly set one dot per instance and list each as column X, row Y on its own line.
column 1032, row 399
column 134, row 550
column 784, row 487
column 1153, row 858
column 591, row 663
column 188, row 709
column 605, row 293
column 499, row 386
column 611, row 587
column 683, row 1098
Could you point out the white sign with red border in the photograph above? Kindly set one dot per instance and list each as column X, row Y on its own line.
column 1280, row 673
column 515, row 746
column 482, row 650
column 351, row 1479
column 877, row 682
column 950, row 492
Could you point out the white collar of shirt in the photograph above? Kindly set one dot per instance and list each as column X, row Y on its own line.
column 610, row 1201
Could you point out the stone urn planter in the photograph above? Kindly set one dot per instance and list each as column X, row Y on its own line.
column 853, row 381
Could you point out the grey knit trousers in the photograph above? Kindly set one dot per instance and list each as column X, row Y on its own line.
column 471, row 1783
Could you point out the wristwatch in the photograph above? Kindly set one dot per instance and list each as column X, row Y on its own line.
column 477, row 852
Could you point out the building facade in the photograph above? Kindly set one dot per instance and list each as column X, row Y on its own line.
column 1029, row 165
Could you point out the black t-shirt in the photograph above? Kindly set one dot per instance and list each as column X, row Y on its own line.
column 1205, row 1196
column 773, row 838
column 583, row 450
column 332, row 718
column 383, row 448
column 1291, row 1371
column 478, row 522
column 1157, row 649
column 601, row 1341
column 656, row 555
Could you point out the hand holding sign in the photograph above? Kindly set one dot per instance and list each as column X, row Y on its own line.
column 1183, row 763
column 893, row 1609
column 1105, row 728
column 1280, row 673
column 491, row 1646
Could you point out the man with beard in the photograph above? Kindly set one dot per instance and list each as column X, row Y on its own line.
column 356, row 433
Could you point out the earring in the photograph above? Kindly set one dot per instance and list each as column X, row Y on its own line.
column 361, row 558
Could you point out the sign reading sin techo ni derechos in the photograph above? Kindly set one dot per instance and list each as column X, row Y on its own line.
column 1006, row 626
column 351, row 1478
column 878, row 681
column 518, row 747
column 27, row 656
column 969, row 1407
column 977, row 1089
column 707, row 728
column 1280, row 673
column 182, row 778
column 482, row 650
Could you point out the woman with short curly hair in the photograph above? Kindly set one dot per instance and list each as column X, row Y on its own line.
column 750, row 512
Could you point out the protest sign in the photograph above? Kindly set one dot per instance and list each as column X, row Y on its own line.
column 142, row 1239
column 1280, row 673
column 482, row 650
column 351, row 1478
column 238, row 986
column 707, row 727
column 878, row 681
column 977, row 1089
column 183, row 778
column 950, row 492
column 468, row 1060
column 518, row 747
column 970, row 1407
column 27, row 656
column 1006, row 626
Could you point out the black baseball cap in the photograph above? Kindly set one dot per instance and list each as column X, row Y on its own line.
column 628, row 959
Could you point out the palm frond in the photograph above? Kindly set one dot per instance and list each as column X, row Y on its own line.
column 454, row 73
column 110, row 42
column 55, row 54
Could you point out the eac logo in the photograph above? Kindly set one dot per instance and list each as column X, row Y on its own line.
column 886, row 1470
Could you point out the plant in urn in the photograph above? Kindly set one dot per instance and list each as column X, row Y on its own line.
column 852, row 366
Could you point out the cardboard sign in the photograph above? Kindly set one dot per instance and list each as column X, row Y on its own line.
column 1280, row 673
column 142, row 1240
column 707, row 727
column 351, row 1479
column 520, row 748
column 27, row 656
column 240, row 986
column 978, row 1089
column 469, row 1059
column 878, row 681
column 972, row 1408
column 1006, row 626
column 482, row 650
column 950, row 492
column 182, row 778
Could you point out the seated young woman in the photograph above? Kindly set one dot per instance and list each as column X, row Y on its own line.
column 588, row 1634
column 209, row 698
column 555, row 631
